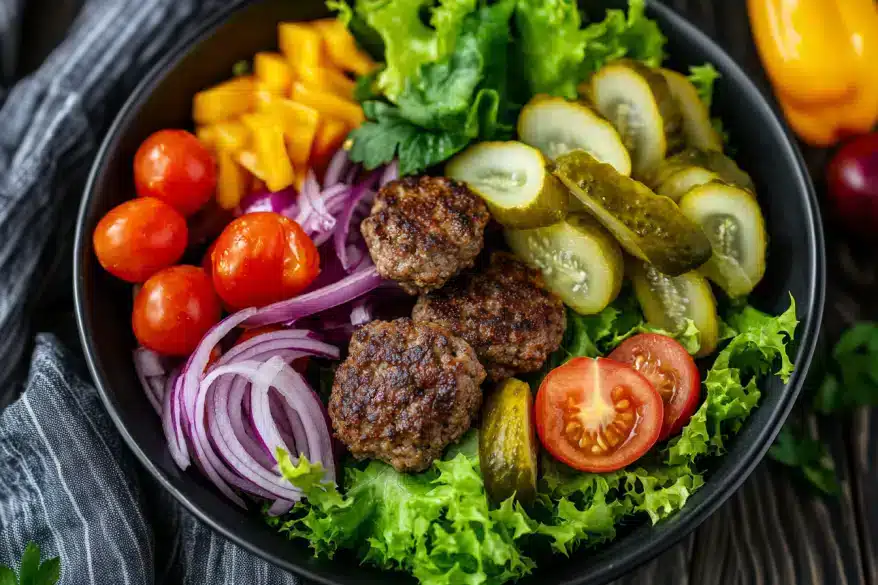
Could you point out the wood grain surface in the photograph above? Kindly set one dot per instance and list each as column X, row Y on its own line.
column 772, row 531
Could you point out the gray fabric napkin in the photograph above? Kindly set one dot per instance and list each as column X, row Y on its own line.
column 66, row 480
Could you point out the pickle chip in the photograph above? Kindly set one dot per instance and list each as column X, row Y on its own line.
column 732, row 220
column 508, row 444
column 648, row 226
column 639, row 104
column 580, row 261
column 512, row 179
column 557, row 126
column 698, row 130
column 677, row 174
column 668, row 301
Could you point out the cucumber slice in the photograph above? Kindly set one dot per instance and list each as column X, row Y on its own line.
column 580, row 261
column 667, row 301
column 508, row 445
column 732, row 220
column 557, row 126
column 512, row 179
column 648, row 226
column 676, row 175
column 639, row 104
column 698, row 131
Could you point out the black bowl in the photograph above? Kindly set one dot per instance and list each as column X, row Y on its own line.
column 796, row 265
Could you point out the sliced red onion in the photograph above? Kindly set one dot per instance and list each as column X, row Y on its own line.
column 361, row 313
column 340, row 237
column 338, row 164
column 241, row 424
column 150, row 370
column 280, row 507
column 171, row 421
column 278, row 201
column 391, row 173
column 260, row 407
column 289, row 311
column 294, row 341
column 297, row 431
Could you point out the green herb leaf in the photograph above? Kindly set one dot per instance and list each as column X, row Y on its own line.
column 7, row 576
column 32, row 572
column 794, row 449
column 30, row 565
column 703, row 78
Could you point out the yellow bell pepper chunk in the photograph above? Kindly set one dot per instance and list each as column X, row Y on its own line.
column 233, row 135
column 225, row 101
column 268, row 144
column 273, row 72
column 341, row 48
column 328, row 79
column 328, row 104
column 206, row 135
column 232, row 181
column 820, row 56
column 331, row 134
column 299, row 124
column 249, row 160
column 300, row 44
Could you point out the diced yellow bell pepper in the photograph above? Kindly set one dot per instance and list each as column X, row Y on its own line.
column 232, row 135
column 331, row 134
column 273, row 72
column 206, row 135
column 341, row 48
column 270, row 148
column 301, row 45
column 225, row 101
column 249, row 160
column 328, row 79
column 299, row 123
column 328, row 104
column 232, row 181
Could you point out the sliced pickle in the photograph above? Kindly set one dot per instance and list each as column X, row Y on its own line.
column 557, row 126
column 580, row 261
column 731, row 218
column 508, row 444
column 677, row 174
column 639, row 104
column 512, row 179
column 648, row 226
column 698, row 130
column 668, row 301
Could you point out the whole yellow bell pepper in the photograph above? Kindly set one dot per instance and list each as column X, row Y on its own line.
column 822, row 59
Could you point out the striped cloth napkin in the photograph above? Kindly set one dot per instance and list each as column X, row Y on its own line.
column 66, row 480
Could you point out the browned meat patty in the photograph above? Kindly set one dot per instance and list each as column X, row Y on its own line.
column 504, row 313
column 424, row 230
column 405, row 392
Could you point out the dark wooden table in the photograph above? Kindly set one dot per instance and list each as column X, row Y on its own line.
column 773, row 531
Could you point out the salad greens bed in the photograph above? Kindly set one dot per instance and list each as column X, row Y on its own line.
column 439, row 526
column 457, row 72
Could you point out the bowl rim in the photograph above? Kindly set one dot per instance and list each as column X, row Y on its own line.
column 627, row 559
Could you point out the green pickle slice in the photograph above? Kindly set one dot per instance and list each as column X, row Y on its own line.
column 580, row 261
column 508, row 443
column 557, row 126
column 732, row 219
column 648, row 226
column 512, row 179
column 668, row 301
column 639, row 104
column 677, row 174
column 698, row 130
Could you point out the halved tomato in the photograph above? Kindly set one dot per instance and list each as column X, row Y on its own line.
column 670, row 369
column 597, row 414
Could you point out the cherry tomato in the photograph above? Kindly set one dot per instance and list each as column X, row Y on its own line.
column 140, row 237
column 261, row 258
column 672, row 372
column 852, row 178
column 597, row 415
column 174, row 310
column 300, row 364
column 207, row 260
column 175, row 167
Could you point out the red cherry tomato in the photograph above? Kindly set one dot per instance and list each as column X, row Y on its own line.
column 138, row 238
column 672, row 372
column 207, row 260
column 261, row 258
column 597, row 415
column 174, row 310
column 852, row 178
column 175, row 167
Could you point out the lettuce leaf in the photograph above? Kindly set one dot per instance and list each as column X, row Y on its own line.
column 619, row 35
column 703, row 77
column 436, row 524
